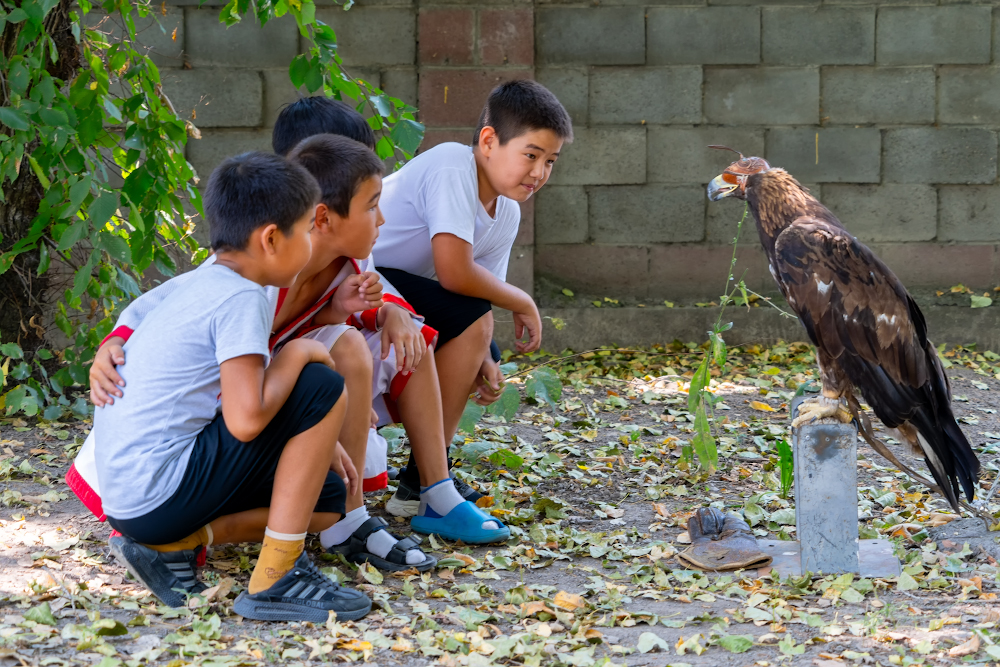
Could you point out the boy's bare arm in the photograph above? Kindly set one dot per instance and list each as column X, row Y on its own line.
column 458, row 272
column 252, row 396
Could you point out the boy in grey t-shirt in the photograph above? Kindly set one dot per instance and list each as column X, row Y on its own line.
column 177, row 473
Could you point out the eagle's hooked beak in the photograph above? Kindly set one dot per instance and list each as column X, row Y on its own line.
column 723, row 186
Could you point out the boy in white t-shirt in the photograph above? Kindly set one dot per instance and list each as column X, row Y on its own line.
column 452, row 214
column 178, row 467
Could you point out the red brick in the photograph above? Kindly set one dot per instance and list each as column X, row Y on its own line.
column 684, row 271
column 446, row 36
column 507, row 36
column 434, row 137
column 455, row 97
column 611, row 270
column 526, row 232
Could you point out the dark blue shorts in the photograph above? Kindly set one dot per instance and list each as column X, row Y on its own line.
column 225, row 476
column 447, row 312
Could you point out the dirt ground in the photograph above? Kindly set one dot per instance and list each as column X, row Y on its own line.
column 598, row 506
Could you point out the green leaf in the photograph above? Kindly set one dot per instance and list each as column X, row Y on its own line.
column 54, row 117
column 12, row 350
column 736, row 643
column 407, row 134
column 109, row 627
column 504, row 458
column 41, row 614
column 786, row 465
column 102, row 208
column 981, row 301
column 39, row 172
column 544, row 385
column 72, row 235
column 785, row 517
column 473, row 451
column 13, row 118
column 298, row 69
column 44, row 259
column 506, row 406
column 905, row 582
column 470, row 417
column 651, row 642
column 698, row 382
column 703, row 443
column 567, row 291
column 753, row 513
column 115, row 246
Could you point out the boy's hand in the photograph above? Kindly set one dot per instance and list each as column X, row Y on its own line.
column 358, row 292
column 311, row 351
column 532, row 322
column 104, row 378
column 344, row 467
column 402, row 331
column 489, row 383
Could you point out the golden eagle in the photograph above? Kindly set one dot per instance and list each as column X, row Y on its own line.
column 868, row 331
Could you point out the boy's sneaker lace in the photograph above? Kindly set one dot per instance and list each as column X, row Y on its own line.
column 303, row 594
column 406, row 501
column 170, row 576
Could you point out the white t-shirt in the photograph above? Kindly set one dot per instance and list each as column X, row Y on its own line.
column 172, row 377
column 438, row 192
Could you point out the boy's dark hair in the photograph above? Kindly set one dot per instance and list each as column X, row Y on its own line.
column 516, row 107
column 318, row 115
column 340, row 165
column 254, row 189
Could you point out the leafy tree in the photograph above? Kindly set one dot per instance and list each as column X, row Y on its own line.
column 94, row 186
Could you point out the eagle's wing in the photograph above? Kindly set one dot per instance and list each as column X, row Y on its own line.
column 858, row 313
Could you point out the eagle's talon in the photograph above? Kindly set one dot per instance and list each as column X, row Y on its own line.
column 813, row 409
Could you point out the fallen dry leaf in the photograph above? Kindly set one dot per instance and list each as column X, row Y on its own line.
column 465, row 558
column 968, row 648
column 568, row 601
column 761, row 406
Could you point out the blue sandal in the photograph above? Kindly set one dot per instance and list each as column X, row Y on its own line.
column 464, row 522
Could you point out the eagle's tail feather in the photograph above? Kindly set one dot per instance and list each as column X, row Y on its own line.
column 966, row 463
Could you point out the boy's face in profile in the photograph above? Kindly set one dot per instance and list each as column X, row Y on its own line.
column 291, row 251
column 356, row 234
column 520, row 167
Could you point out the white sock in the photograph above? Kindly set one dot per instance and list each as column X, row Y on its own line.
column 442, row 497
column 379, row 543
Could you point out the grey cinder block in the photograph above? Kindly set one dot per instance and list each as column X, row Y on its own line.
column 762, row 96
column 818, row 36
column 885, row 213
column 590, row 36
column 652, row 213
column 933, row 35
column 650, row 94
column 561, row 214
column 831, row 155
column 603, row 156
column 206, row 153
column 216, row 97
column 826, row 496
column 939, row 155
column 969, row 213
column 571, row 85
column 373, row 35
column 969, row 95
column 682, row 155
column 703, row 36
column 210, row 43
column 867, row 95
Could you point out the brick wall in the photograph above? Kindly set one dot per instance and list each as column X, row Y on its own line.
column 889, row 112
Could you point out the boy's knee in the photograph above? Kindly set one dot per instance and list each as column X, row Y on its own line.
column 351, row 354
column 483, row 328
column 319, row 383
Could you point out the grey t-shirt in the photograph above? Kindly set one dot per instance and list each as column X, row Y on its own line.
column 172, row 387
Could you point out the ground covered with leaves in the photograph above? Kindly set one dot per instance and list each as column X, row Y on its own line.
column 593, row 475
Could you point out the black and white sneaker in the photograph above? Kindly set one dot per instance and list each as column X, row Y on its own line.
column 170, row 576
column 465, row 490
column 303, row 594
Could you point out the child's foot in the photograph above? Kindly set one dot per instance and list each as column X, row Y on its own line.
column 303, row 594
column 371, row 542
column 406, row 501
column 445, row 513
column 170, row 575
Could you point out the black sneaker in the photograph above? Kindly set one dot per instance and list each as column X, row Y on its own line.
column 170, row 576
column 464, row 489
column 303, row 594
column 406, row 501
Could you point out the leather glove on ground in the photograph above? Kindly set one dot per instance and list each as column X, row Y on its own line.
column 721, row 541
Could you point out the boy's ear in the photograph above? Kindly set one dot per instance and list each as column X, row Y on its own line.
column 322, row 222
column 267, row 237
column 488, row 140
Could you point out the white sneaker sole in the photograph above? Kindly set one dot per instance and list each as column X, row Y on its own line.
column 403, row 508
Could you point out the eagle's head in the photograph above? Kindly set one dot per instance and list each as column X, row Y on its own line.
column 733, row 181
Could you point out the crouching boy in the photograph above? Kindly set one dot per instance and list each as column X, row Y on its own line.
column 175, row 473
